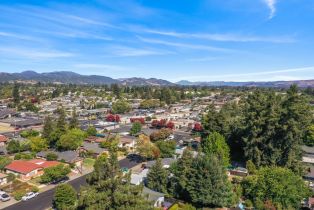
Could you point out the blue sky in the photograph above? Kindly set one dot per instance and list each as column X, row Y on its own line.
column 197, row 40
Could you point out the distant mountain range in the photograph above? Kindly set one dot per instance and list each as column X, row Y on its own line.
column 281, row 84
column 68, row 77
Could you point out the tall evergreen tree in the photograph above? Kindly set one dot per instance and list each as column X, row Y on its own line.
column 157, row 177
column 208, row 184
column 61, row 122
column 74, row 121
column 16, row 94
column 48, row 128
column 215, row 144
column 109, row 189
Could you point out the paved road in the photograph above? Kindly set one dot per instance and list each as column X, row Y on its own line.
column 44, row 200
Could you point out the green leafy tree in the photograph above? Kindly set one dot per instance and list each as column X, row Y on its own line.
column 216, row 144
column 309, row 139
column 136, row 128
column 65, row 197
column 146, row 148
column 157, row 177
column 13, row 146
column 251, row 167
column 38, row 144
column 162, row 134
column 91, row 131
column 120, row 107
column 74, row 123
column 208, row 184
column 4, row 161
column 54, row 173
column 281, row 186
column 167, row 148
column 109, row 189
column 71, row 140
column 51, row 156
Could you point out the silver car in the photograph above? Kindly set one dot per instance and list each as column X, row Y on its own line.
column 29, row 195
column 5, row 197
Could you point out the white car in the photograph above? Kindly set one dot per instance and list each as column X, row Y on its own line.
column 29, row 195
column 5, row 197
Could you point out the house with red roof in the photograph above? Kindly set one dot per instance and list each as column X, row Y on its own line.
column 28, row 169
column 3, row 140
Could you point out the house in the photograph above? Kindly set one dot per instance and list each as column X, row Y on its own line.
column 137, row 179
column 27, row 170
column 3, row 179
column 166, row 162
column 308, row 154
column 156, row 198
column 7, row 113
column 70, row 157
column 3, row 140
column 93, row 148
column 127, row 142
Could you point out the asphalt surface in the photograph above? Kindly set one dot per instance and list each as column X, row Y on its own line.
column 44, row 200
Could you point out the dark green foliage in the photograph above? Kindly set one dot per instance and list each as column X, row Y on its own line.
column 48, row 128
column 16, row 94
column 120, row 107
column 215, row 144
column 24, row 156
column 54, row 173
column 65, row 197
column 61, row 125
column 29, row 133
column 136, row 128
column 51, row 156
column 208, row 184
column 157, row 177
column 14, row 147
column 167, row 148
column 74, row 123
column 4, row 161
column 309, row 139
column 71, row 140
column 109, row 189
column 91, row 131
column 280, row 186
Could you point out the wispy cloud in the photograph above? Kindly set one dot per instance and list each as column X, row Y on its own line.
column 271, row 75
column 134, row 52
column 271, row 4
column 203, row 59
column 15, row 36
column 223, row 37
column 185, row 46
column 33, row 53
column 98, row 66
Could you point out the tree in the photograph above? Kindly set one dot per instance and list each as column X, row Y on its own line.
column 170, row 125
column 215, row 144
column 149, row 104
column 13, row 146
column 112, row 118
column 162, row 134
column 309, row 139
column 157, row 177
column 146, row 148
column 16, row 94
column 51, row 156
column 71, row 140
column 279, row 185
column 109, row 189
column 180, row 170
column 54, row 173
column 91, row 131
column 136, row 128
column 38, row 144
column 61, row 123
column 121, row 107
column 197, row 127
column 167, row 148
column 251, row 167
column 4, row 161
column 74, row 123
column 48, row 128
column 208, row 184
column 65, row 197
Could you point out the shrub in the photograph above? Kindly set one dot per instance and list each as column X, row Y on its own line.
column 18, row 194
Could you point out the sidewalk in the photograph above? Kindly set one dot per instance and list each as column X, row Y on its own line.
column 44, row 188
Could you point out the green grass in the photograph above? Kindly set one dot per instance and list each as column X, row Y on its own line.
column 88, row 162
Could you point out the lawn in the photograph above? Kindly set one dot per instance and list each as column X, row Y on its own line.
column 88, row 162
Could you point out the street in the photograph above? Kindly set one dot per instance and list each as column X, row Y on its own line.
column 44, row 199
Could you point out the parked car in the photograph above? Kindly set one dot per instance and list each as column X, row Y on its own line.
column 5, row 197
column 29, row 195
column 60, row 180
column 2, row 192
